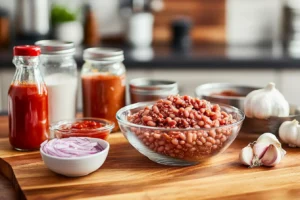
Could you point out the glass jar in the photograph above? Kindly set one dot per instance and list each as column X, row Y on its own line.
column 60, row 73
column 103, row 83
column 27, row 101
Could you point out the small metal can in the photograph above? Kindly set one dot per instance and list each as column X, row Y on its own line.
column 145, row 89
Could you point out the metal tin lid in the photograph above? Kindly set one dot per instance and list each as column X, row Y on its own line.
column 103, row 54
column 56, row 47
column 148, row 86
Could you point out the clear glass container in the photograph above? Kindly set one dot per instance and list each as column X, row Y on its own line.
column 103, row 79
column 27, row 101
column 60, row 73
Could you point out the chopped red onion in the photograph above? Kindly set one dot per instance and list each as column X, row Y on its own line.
column 70, row 147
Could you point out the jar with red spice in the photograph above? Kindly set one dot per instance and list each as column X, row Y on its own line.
column 103, row 83
column 27, row 101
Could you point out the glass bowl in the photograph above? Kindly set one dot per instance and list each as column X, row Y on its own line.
column 178, row 147
column 76, row 128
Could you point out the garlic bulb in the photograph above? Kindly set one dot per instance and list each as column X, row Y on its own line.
column 266, row 102
column 266, row 151
column 289, row 133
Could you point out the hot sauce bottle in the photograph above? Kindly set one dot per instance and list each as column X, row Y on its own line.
column 27, row 101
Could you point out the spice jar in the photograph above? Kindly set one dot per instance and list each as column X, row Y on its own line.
column 27, row 101
column 60, row 73
column 145, row 89
column 103, row 83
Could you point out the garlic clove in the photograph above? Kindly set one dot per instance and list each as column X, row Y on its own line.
column 269, row 138
column 271, row 157
column 246, row 156
column 259, row 149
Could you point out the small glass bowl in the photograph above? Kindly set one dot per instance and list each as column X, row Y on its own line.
column 58, row 129
column 178, row 147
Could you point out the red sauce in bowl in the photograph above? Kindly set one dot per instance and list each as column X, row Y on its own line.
column 86, row 128
column 28, row 115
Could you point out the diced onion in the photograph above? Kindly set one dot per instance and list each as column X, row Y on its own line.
column 70, row 147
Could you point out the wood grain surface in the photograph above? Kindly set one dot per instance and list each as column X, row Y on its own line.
column 126, row 174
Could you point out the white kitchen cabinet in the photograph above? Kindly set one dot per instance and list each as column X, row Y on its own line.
column 188, row 80
column 6, row 78
column 290, row 85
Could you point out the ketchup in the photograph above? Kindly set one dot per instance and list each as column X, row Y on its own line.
column 28, row 114
column 27, row 101
column 103, row 96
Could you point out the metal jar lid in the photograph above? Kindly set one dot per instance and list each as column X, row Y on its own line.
column 103, row 54
column 56, row 47
column 146, row 86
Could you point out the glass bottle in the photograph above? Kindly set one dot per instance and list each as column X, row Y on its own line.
column 27, row 101
column 59, row 70
column 103, row 83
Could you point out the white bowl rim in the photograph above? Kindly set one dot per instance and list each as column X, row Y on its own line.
column 81, row 157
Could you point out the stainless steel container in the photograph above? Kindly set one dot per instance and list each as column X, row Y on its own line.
column 32, row 17
column 145, row 89
column 208, row 91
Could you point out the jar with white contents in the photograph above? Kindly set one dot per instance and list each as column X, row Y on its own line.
column 60, row 73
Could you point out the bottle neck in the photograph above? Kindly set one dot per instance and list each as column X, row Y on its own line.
column 29, row 62
column 27, row 70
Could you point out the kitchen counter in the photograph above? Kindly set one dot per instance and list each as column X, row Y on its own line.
column 203, row 57
column 127, row 174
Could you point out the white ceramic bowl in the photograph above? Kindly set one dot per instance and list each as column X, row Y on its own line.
column 77, row 166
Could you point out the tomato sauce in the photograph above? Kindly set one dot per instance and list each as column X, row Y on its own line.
column 103, row 96
column 228, row 93
column 83, row 129
column 28, row 115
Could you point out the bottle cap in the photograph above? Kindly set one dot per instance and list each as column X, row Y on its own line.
column 27, row 50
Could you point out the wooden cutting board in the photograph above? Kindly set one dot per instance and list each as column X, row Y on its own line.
column 126, row 174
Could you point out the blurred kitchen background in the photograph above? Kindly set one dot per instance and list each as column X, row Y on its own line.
column 248, row 42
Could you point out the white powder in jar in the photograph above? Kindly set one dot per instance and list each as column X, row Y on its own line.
column 62, row 91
